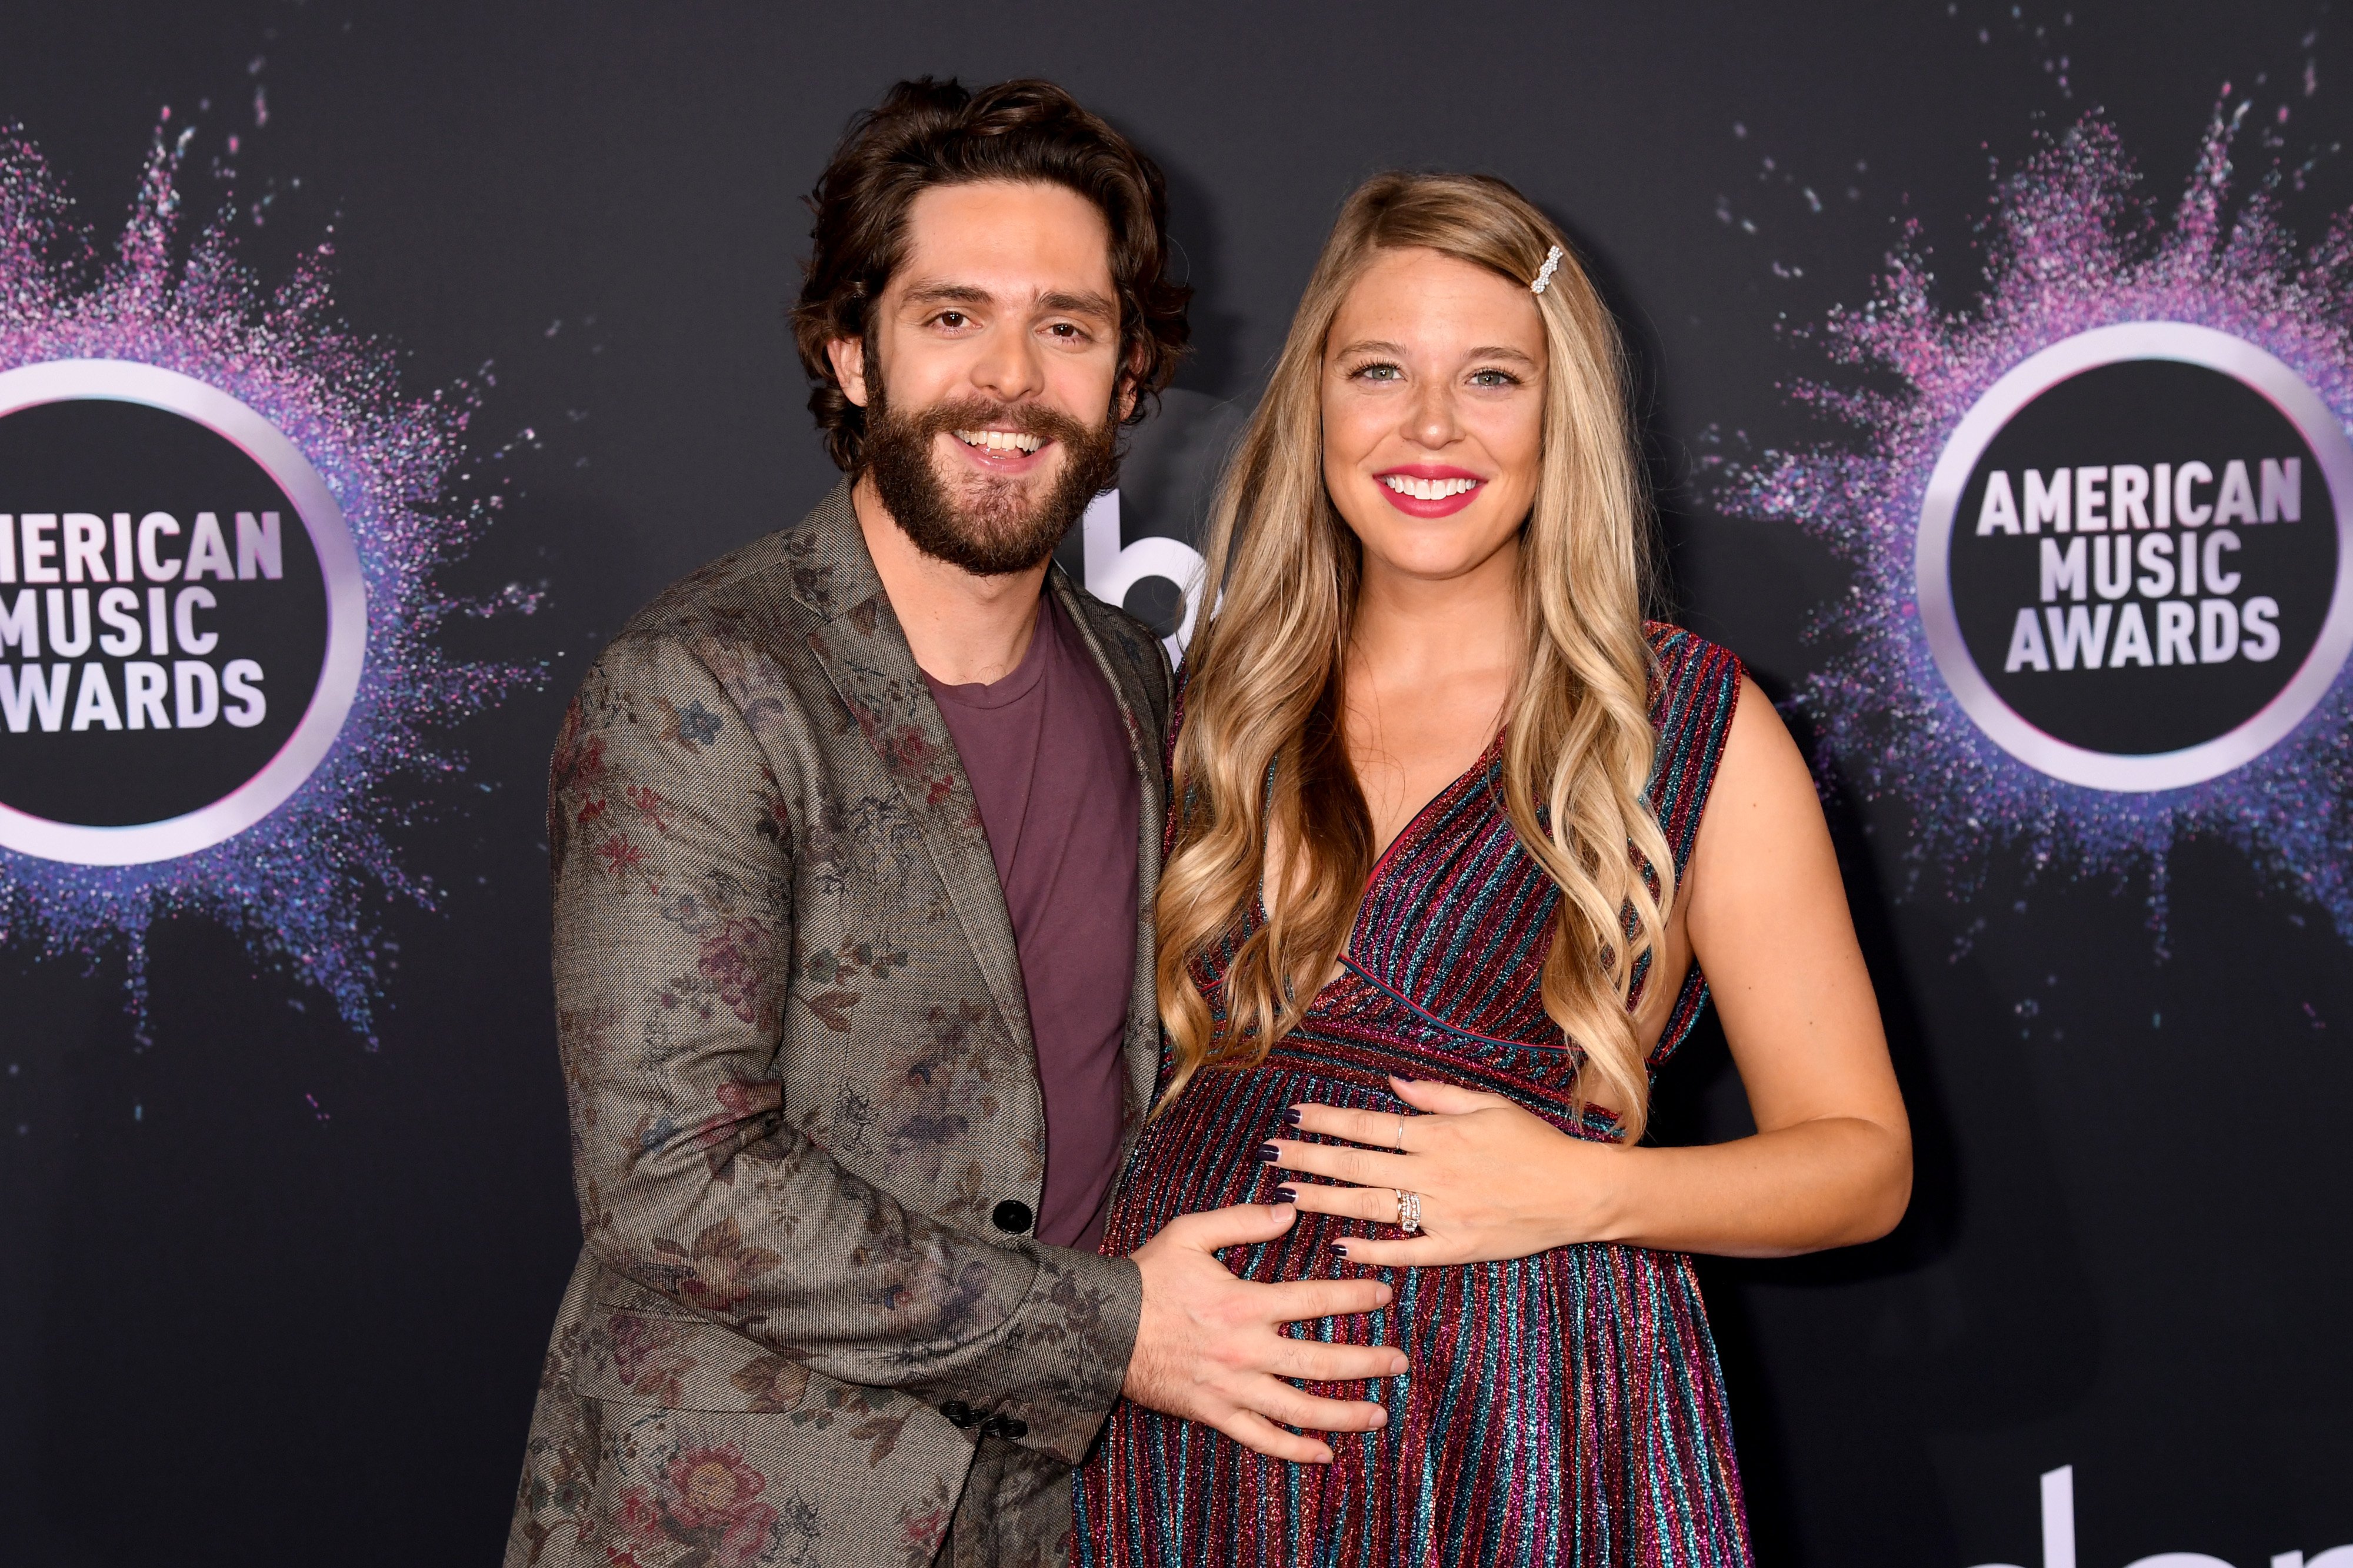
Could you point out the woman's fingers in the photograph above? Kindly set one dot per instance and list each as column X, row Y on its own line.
column 1413, row 1252
column 1379, row 1128
column 1364, row 1167
column 1391, row 1129
column 1379, row 1204
column 1443, row 1098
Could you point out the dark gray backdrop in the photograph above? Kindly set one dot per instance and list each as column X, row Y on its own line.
column 236, row 1332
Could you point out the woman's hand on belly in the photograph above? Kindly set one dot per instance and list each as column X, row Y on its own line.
column 1496, row 1181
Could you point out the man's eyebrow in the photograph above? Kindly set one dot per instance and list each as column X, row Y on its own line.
column 1089, row 303
column 948, row 294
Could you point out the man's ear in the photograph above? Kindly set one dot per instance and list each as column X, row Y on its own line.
column 1130, row 384
column 849, row 357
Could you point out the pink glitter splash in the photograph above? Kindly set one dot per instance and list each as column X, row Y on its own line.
column 2071, row 247
column 294, row 885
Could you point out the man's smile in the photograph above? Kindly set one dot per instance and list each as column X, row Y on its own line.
column 1001, row 451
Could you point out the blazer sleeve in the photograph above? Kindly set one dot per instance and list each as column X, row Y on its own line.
column 671, row 847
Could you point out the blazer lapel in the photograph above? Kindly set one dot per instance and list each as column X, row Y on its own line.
column 865, row 655
column 1142, row 1048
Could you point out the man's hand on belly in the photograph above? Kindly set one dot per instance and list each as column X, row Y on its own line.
column 1210, row 1346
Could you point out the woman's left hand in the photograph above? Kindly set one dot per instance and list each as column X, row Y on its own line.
column 1496, row 1181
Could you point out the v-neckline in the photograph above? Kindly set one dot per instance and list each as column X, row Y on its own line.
column 1485, row 761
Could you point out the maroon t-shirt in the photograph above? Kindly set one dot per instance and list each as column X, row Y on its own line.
column 1049, row 765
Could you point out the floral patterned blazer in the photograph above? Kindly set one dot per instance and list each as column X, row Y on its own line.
column 807, row 1130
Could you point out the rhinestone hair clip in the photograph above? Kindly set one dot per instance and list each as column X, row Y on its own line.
column 1552, row 265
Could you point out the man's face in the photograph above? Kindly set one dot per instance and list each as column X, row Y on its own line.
column 999, row 341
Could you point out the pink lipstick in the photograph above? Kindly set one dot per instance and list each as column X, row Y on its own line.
column 1428, row 490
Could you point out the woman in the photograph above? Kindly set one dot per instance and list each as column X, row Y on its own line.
column 1456, row 834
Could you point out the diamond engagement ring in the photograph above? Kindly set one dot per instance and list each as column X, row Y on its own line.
column 1409, row 1211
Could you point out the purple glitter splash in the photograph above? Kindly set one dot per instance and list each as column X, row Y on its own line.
column 2070, row 247
column 293, row 886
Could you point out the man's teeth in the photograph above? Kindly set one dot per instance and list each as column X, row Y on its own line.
column 1000, row 441
column 1428, row 490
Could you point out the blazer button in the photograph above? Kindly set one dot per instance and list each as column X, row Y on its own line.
column 957, row 1412
column 1012, row 1215
column 1012, row 1428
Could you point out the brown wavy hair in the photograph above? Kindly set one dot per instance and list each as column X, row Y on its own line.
column 1261, row 747
column 927, row 132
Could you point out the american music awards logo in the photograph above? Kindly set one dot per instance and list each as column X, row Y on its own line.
column 180, row 658
column 2139, row 625
column 2097, row 534
column 220, row 524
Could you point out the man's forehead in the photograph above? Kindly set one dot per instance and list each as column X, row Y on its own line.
column 1011, row 242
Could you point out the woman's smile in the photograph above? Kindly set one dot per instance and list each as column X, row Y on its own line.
column 1429, row 489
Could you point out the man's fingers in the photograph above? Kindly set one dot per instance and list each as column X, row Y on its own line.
column 1252, row 1430
column 1379, row 1204
column 1316, row 1361
column 1305, row 1299
column 1240, row 1225
column 1292, row 1407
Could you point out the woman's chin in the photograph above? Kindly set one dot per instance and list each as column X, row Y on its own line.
column 1434, row 562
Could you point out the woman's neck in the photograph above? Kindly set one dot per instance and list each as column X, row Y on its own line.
column 1414, row 632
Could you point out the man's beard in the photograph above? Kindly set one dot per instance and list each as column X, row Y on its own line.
column 986, row 524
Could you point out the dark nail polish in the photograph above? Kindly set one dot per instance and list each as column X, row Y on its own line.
column 1291, row 1116
column 1286, row 1195
column 1269, row 1153
column 1402, row 1079
column 1340, row 1248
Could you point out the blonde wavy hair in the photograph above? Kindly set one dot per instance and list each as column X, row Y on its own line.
column 1261, row 746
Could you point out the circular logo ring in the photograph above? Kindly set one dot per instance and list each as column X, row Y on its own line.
column 127, row 381
column 2177, row 341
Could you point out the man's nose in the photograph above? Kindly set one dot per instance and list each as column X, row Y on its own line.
column 1007, row 367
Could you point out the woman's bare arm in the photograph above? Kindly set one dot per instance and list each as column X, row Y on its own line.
column 1830, row 1162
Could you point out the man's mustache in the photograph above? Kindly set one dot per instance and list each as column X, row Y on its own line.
column 986, row 413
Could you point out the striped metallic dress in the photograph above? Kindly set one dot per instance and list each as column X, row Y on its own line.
column 1563, row 1408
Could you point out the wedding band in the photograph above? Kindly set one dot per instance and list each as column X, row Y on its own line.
column 1409, row 1211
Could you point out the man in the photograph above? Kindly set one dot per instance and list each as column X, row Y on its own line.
column 854, row 837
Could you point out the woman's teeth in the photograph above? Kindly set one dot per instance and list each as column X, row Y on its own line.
column 1000, row 441
column 1428, row 490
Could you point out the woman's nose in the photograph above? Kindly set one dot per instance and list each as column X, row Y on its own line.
column 1431, row 422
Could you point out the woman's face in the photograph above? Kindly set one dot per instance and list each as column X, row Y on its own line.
column 1433, row 413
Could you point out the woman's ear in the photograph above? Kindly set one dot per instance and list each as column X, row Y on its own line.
column 849, row 358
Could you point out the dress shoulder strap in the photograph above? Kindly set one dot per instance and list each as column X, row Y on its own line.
column 1694, row 686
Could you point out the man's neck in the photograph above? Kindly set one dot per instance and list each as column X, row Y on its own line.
column 965, row 629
